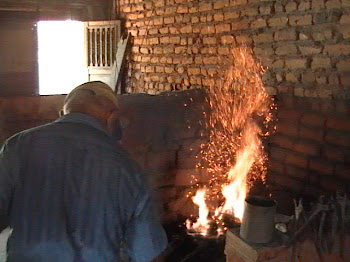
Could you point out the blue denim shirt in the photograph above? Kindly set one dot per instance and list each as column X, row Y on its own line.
column 72, row 194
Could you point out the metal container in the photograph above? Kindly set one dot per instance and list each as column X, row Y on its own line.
column 258, row 220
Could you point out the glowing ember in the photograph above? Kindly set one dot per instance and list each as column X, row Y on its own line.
column 234, row 154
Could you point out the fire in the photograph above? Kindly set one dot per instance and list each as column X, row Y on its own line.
column 234, row 154
column 235, row 192
column 202, row 223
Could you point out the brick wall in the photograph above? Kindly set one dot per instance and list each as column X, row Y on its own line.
column 310, row 152
column 178, row 44
column 305, row 47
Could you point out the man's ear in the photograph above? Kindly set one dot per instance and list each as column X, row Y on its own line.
column 61, row 113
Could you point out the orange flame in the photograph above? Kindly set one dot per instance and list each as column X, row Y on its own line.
column 235, row 193
column 202, row 223
column 234, row 154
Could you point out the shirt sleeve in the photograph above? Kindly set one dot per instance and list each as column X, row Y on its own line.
column 9, row 166
column 145, row 236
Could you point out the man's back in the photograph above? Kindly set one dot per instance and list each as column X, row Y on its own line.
column 76, row 196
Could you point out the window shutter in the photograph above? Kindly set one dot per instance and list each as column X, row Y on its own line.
column 101, row 46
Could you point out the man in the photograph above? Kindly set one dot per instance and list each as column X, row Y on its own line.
column 71, row 193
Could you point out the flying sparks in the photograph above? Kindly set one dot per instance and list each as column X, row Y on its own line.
column 234, row 154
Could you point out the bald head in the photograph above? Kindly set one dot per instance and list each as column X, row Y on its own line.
column 96, row 99
column 88, row 91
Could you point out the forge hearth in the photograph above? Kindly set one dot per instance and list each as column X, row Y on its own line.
column 184, row 247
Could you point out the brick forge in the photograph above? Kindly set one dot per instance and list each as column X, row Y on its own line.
column 305, row 46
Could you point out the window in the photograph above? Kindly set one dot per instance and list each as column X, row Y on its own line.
column 61, row 56
column 72, row 52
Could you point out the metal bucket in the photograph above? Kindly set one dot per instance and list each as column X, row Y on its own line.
column 258, row 221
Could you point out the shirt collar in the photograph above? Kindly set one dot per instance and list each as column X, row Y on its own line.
column 82, row 119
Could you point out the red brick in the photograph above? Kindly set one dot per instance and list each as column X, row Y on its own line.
column 223, row 50
column 219, row 17
column 174, row 40
column 307, row 147
column 194, row 71
column 289, row 182
column 168, row 50
column 277, row 21
column 315, row 134
column 321, row 62
column 193, row 9
column 335, row 153
column 278, row 64
column 317, row 4
column 291, row 6
column 296, row 63
column 208, row 30
column 250, row 11
column 221, row 4
column 205, row 7
column 297, row 160
column 331, row 4
column 182, row 10
column 276, row 166
column 265, row 10
column 283, row 35
column 300, row 20
column 344, row 65
column 244, row 39
column 337, row 49
column 209, row 40
column 263, row 37
column 282, row 141
column 338, row 138
column 169, row 20
column 164, row 40
column 309, row 50
column 345, row 31
column 210, row 60
column 231, row 15
column 158, row 21
column 159, row 3
column 239, row 25
column 259, row 23
column 321, row 166
column 304, row 5
column 293, row 77
column 339, row 123
column 287, row 128
column 278, row 153
column 286, row 50
column 310, row 119
column 295, row 172
column 345, row 19
column 222, row 28
column 237, row 2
